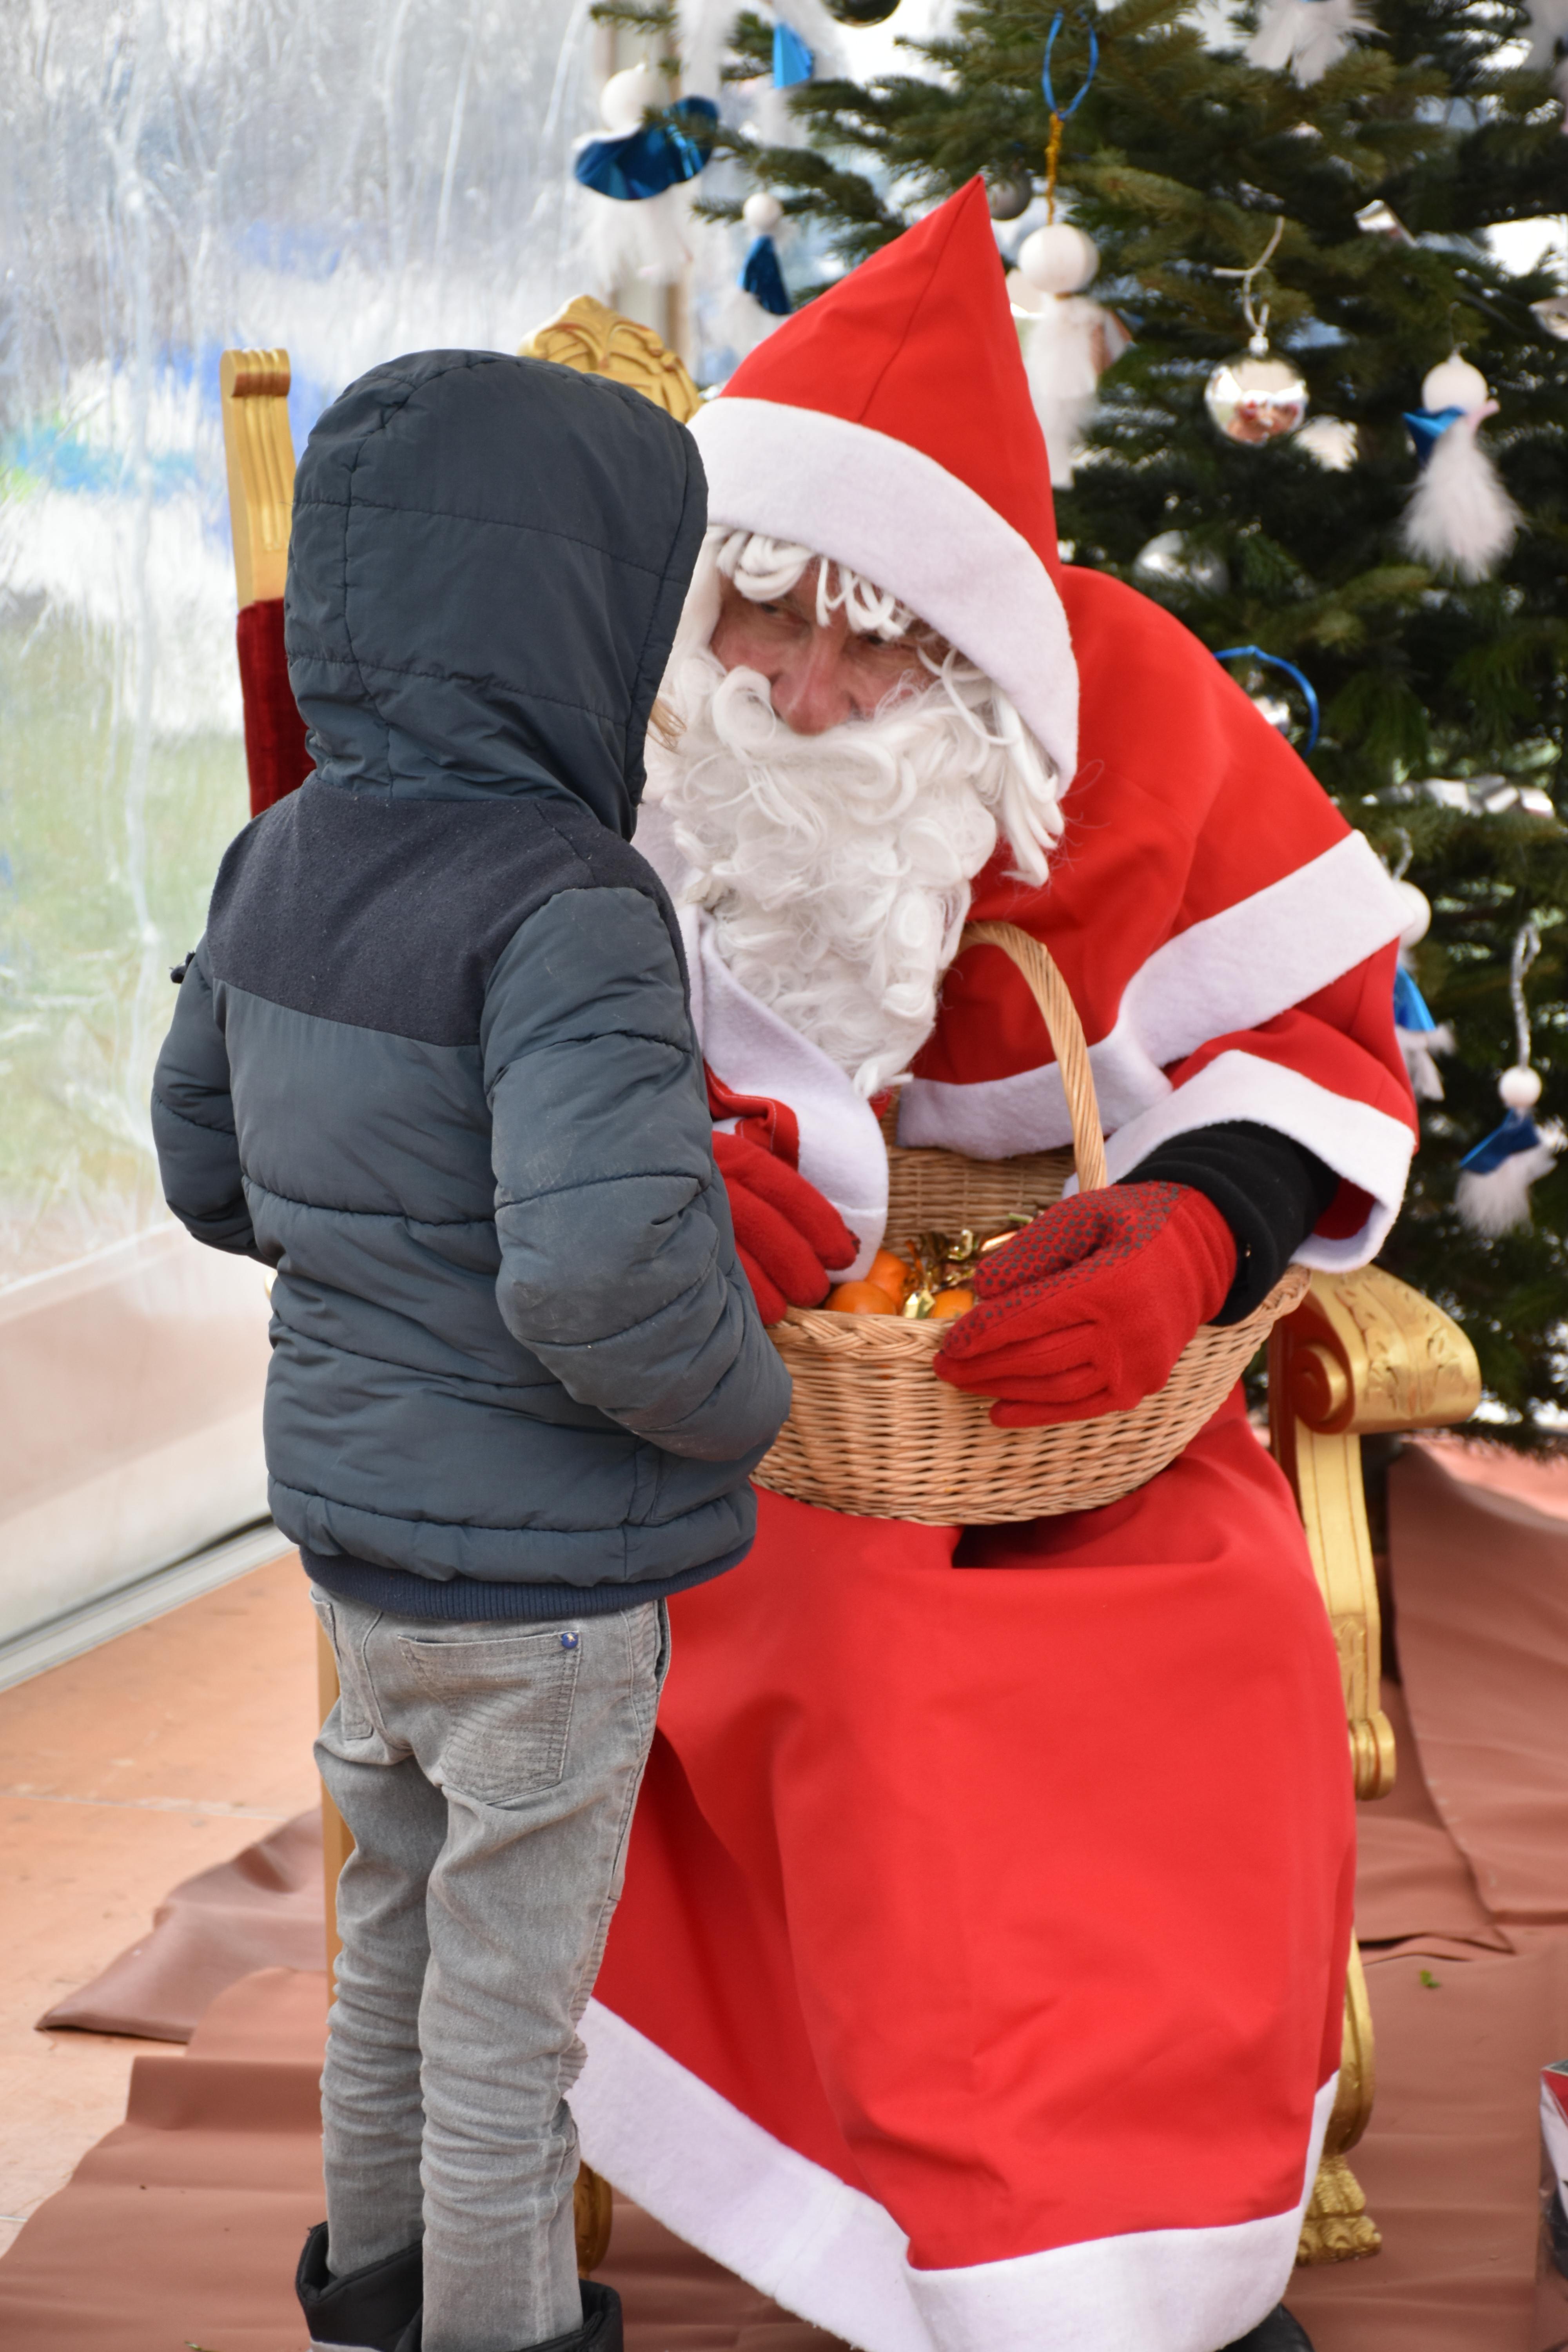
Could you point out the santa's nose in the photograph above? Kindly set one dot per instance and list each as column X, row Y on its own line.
column 813, row 686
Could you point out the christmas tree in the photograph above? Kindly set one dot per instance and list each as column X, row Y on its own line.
column 1441, row 677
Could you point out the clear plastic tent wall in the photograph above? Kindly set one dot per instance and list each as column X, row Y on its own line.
column 349, row 182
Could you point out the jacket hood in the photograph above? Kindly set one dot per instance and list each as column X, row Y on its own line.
column 487, row 566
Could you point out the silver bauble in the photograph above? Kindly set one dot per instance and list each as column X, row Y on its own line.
column 1170, row 557
column 1009, row 192
column 1255, row 399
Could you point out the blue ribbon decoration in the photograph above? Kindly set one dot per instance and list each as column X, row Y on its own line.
column 793, row 61
column 636, row 164
column 1427, row 426
column 763, row 279
column 1067, row 112
column 1411, row 1012
column 1518, row 1133
column 1276, row 661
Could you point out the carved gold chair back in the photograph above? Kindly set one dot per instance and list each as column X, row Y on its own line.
column 1363, row 1354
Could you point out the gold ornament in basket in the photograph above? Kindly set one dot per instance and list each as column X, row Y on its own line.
column 872, row 1430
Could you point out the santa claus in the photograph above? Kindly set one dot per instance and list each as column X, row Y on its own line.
column 978, row 1981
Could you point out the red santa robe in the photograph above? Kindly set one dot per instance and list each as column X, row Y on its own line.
column 978, row 1979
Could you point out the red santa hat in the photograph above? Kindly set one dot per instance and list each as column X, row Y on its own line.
column 889, row 428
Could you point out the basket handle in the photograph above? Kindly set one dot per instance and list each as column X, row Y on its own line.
column 1065, row 1031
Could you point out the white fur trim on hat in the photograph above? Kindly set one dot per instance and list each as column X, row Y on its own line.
column 894, row 515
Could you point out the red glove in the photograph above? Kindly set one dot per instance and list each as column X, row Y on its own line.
column 786, row 1235
column 1088, row 1309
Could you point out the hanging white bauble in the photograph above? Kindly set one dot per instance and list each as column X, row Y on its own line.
column 1453, row 384
column 1329, row 442
column 628, row 97
column 761, row 212
column 1025, row 297
column 1057, row 260
column 1255, row 399
column 1417, row 914
column 1521, row 1089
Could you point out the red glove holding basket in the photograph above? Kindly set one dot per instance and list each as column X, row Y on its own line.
column 1087, row 1310
column 786, row 1235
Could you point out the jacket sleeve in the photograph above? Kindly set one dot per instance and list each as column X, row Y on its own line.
column 1269, row 1188
column 192, row 1120
column 618, row 1267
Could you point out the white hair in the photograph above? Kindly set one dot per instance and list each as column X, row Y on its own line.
column 837, row 867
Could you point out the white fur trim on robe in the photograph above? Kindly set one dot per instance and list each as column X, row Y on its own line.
column 754, row 1051
column 834, row 2255
column 1226, row 974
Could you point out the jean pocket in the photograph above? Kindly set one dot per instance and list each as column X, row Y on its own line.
column 505, row 1707
column 354, row 1698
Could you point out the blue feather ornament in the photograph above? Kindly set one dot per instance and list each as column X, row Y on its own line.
column 763, row 279
column 633, row 165
column 1492, row 1194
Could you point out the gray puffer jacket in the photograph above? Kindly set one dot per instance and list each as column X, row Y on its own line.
column 433, row 1059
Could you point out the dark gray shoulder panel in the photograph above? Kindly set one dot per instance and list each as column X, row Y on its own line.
column 389, row 914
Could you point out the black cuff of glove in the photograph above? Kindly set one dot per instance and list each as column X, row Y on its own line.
column 1270, row 1191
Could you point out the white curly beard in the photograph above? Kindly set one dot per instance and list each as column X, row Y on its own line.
column 837, row 867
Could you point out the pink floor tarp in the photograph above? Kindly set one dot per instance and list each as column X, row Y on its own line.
column 182, row 2225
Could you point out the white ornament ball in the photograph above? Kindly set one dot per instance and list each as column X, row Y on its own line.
column 1454, row 384
column 1417, row 914
column 761, row 212
column 628, row 97
column 1521, row 1089
column 1023, row 295
column 1057, row 260
column 1254, row 400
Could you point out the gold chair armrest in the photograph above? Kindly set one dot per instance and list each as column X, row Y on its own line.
column 1362, row 1352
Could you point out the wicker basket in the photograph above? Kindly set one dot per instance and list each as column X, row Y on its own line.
column 872, row 1429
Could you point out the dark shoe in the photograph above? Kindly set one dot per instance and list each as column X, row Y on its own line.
column 375, row 2309
column 600, row 2331
column 1277, row 2333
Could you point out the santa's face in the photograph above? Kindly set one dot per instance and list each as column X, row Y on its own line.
column 820, row 672
column 836, row 777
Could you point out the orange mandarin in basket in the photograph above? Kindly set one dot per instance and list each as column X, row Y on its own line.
column 860, row 1299
column 893, row 1274
column 949, row 1303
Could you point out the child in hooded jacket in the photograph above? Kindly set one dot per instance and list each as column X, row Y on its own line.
column 433, row 1063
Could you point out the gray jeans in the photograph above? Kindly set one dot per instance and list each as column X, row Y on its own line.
column 488, row 1773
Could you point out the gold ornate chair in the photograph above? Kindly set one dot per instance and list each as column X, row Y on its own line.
column 1362, row 1355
